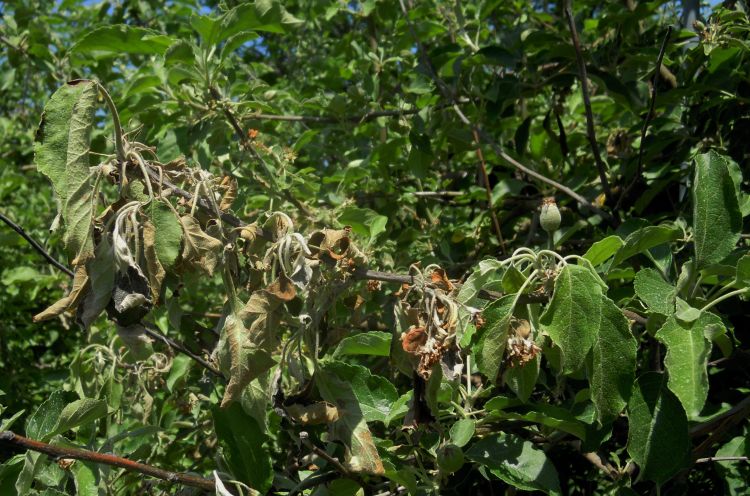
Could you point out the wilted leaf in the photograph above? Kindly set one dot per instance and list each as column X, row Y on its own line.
column 317, row 413
column 351, row 427
column 62, row 154
column 102, row 273
column 167, row 235
column 154, row 268
column 80, row 287
column 493, row 336
column 200, row 251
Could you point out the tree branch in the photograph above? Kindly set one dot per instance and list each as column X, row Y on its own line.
column 369, row 116
column 105, row 459
column 590, row 132
column 488, row 190
column 36, row 246
column 649, row 117
column 175, row 345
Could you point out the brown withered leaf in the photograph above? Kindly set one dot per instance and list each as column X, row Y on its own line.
column 440, row 279
column 81, row 284
column 282, row 288
column 413, row 340
column 332, row 244
column 200, row 250
column 155, row 271
column 228, row 187
column 318, row 413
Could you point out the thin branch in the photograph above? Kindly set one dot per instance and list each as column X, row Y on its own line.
column 591, row 133
column 182, row 349
column 105, row 459
column 722, row 459
column 36, row 246
column 445, row 90
column 733, row 415
column 250, row 147
column 433, row 194
column 488, row 190
column 649, row 116
column 369, row 116
column 305, row 438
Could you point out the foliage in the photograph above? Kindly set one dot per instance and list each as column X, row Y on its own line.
column 293, row 196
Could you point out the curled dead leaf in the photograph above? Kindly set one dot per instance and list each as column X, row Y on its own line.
column 439, row 278
column 318, row 413
column 228, row 187
column 70, row 301
column 330, row 244
column 413, row 340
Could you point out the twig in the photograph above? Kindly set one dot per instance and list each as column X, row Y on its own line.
column 591, row 133
column 369, row 116
column 488, row 139
column 740, row 410
column 488, row 190
column 182, row 349
column 638, row 319
column 155, row 334
column 36, row 245
column 649, row 117
column 431, row 194
column 305, row 438
column 115, row 461
column 722, row 459
column 248, row 145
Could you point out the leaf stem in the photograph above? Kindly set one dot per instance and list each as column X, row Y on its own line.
column 724, row 297
column 120, row 147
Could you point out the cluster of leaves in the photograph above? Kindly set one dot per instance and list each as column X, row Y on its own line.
column 266, row 158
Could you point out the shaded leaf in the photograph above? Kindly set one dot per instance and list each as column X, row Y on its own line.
column 351, row 428
column 376, row 343
column 717, row 221
column 516, row 462
column 644, row 239
column 658, row 425
column 200, row 251
column 242, row 442
column 493, row 335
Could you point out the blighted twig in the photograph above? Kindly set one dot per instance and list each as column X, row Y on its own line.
column 590, row 132
column 36, row 245
column 61, row 452
column 182, row 349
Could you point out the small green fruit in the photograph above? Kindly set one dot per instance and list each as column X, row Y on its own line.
column 450, row 458
column 550, row 215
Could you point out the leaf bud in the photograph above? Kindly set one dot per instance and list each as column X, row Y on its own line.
column 550, row 215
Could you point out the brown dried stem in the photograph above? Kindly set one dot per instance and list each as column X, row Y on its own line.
column 105, row 459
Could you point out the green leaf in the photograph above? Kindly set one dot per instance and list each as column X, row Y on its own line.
column 462, row 431
column 658, row 438
column 613, row 362
column 717, row 221
column 351, row 427
column 548, row 415
column 62, row 154
column 685, row 312
column 375, row 343
column 688, row 349
column 261, row 15
column 493, row 335
column 644, row 239
column 603, row 250
column 168, row 233
column 364, row 222
column 654, row 291
column 242, row 442
column 180, row 368
column 743, row 271
column 375, row 394
column 516, row 462
column 521, row 380
column 78, row 413
column 101, row 271
column 117, row 39
column 573, row 314
column 735, row 472
column 42, row 422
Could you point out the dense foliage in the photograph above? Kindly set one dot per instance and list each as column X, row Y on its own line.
column 377, row 247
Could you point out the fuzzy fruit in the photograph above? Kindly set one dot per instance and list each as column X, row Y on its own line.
column 450, row 458
column 550, row 215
